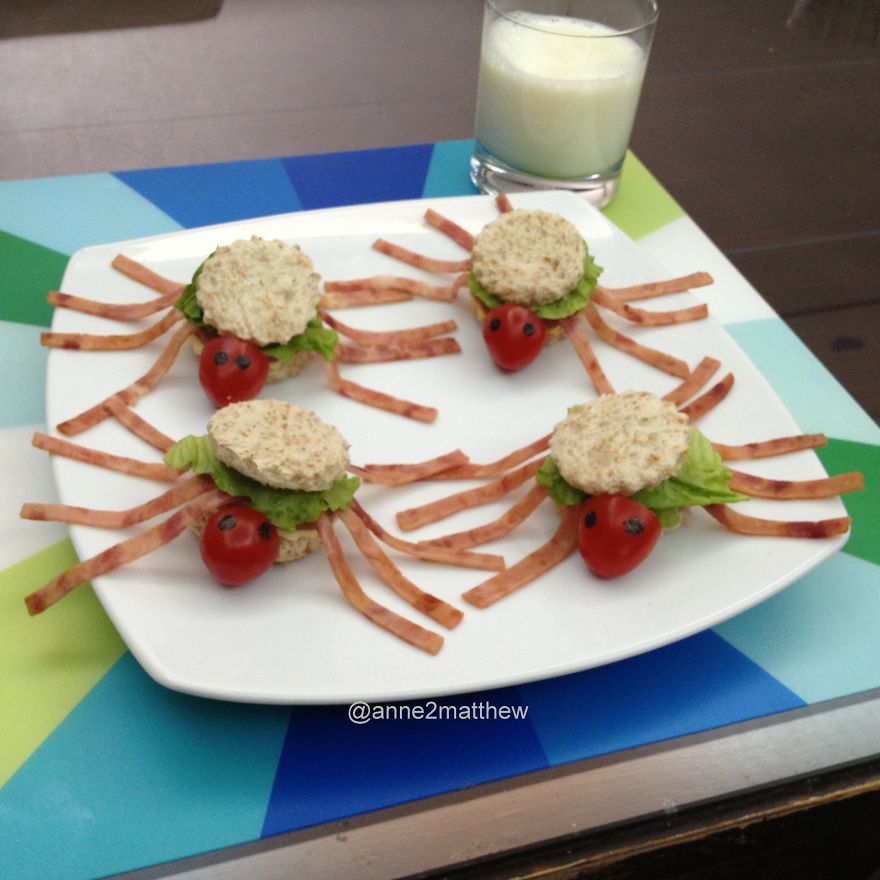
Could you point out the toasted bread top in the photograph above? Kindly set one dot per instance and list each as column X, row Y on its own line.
column 529, row 257
column 262, row 291
column 620, row 443
column 279, row 444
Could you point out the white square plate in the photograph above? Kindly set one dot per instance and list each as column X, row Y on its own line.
column 290, row 637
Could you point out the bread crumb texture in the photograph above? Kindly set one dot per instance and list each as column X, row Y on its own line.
column 529, row 257
column 262, row 291
column 279, row 444
column 295, row 545
column 620, row 443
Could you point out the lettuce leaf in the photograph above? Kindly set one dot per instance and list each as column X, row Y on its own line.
column 572, row 302
column 188, row 302
column 489, row 300
column 284, row 508
column 703, row 479
column 559, row 491
column 316, row 337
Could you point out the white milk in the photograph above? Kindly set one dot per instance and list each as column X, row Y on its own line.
column 558, row 104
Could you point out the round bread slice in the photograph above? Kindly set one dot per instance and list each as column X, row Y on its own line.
column 295, row 545
column 620, row 443
column 279, row 444
column 262, row 291
column 529, row 257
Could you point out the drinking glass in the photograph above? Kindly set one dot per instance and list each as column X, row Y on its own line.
column 559, row 86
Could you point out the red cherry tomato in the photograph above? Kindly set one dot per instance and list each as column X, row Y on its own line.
column 232, row 370
column 616, row 534
column 238, row 544
column 514, row 336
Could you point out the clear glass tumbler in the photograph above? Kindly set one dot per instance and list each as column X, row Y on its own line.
column 559, row 86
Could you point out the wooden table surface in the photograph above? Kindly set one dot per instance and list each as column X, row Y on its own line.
column 761, row 117
column 763, row 120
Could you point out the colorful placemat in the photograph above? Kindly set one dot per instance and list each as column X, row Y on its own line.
column 103, row 771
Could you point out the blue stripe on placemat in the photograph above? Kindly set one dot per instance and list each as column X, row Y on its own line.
column 693, row 685
column 69, row 213
column 200, row 195
column 332, row 768
column 136, row 775
column 333, row 179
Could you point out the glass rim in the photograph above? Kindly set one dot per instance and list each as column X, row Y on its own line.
column 650, row 21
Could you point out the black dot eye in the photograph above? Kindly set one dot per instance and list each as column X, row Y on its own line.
column 226, row 522
column 590, row 519
column 243, row 361
column 495, row 323
column 633, row 526
column 265, row 531
column 529, row 329
column 221, row 357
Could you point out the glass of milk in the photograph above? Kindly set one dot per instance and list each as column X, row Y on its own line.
column 558, row 91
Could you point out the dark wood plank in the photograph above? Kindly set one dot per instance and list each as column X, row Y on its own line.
column 762, row 120
column 24, row 18
column 814, row 276
column 768, row 157
column 711, row 36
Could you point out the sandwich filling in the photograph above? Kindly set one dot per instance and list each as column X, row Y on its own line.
column 637, row 445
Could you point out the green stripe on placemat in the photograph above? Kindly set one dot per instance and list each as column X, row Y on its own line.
column 642, row 205
column 27, row 272
column 840, row 456
column 50, row 662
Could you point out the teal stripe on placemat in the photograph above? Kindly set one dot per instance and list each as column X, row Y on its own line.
column 137, row 775
column 820, row 636
column 69, row 213
column 23, row 402
column 811, row 394
column 448, row 172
